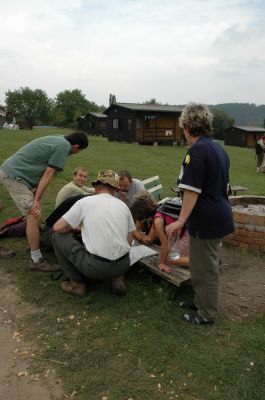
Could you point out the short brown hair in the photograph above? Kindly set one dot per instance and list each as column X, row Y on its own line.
column 78, row 168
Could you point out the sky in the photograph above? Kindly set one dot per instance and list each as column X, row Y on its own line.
column 176, row 51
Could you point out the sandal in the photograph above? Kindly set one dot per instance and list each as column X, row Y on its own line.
column 188, row 305
column 195, row 318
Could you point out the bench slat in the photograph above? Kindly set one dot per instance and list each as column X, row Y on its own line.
column 150, row 180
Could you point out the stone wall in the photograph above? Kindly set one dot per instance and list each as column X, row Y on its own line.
column 249, row 227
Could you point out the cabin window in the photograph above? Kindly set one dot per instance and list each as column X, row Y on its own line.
column 115, row 123
column 130, row 124
column 149, row 121
column 149, row 117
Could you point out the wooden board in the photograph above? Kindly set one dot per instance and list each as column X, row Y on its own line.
column 178, row 276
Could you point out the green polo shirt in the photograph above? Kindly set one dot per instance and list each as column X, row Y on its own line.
column 31, row 160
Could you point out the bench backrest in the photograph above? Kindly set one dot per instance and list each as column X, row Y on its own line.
column 153, row 186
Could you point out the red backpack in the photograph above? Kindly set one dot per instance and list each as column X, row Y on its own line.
column 13, row 227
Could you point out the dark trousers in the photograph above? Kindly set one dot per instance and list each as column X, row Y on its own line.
column 77, row 264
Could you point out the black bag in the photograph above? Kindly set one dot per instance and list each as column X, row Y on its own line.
column 258, row 148
column 13, row 227
column 171, row 208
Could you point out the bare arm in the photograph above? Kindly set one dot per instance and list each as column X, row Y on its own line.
column 62, row 226
column 159, row 226
column 189, row 200
column 130, row 238
column 43, row 184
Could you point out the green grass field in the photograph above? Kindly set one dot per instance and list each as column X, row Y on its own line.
column 135, row 347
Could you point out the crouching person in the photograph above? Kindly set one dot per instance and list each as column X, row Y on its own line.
column 106, row 228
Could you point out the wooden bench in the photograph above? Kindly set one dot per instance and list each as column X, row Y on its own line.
column 154, row 186
column 235, row 189
column 178, row 276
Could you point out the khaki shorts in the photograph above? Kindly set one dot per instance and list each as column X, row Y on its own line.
column 20, row 193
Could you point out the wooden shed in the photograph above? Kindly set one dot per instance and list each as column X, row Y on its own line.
column 94, row 123
column 2, row 115
column 243, row 136
column 143, row 123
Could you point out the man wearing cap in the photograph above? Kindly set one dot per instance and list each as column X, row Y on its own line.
column 106, row 228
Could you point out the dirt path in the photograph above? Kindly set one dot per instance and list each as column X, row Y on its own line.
column 242, row 284
column 16, row 382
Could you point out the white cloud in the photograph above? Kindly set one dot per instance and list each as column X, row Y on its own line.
column 176, row 50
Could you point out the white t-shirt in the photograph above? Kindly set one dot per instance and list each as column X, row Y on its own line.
column 105, row 223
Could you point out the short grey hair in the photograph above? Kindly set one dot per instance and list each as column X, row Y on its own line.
column 197, row 119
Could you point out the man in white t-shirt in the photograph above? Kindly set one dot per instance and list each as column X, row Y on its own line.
column 107, row 230
column 128, row 187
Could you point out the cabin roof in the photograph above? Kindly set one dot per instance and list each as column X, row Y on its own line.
column 96, row 114
column 147, row 107
column 248, row 128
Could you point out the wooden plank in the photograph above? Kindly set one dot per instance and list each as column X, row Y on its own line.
column 156, row 188
column 178, row 276
column 149, row 180
column 237, row 188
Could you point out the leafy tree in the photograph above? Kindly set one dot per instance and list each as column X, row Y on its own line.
column 152, row 101
column 221, row 121
column 28, row 106
column 71, row 104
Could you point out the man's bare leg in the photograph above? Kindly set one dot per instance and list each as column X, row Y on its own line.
column 33, row 231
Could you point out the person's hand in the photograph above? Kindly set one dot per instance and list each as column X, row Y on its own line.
column 164, row 267
column 122, row 195
column 35, row 209
column 146, row 240
column 171, row 228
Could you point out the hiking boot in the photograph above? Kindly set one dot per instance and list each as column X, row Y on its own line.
column 195, row 318
column 118, row 286
column 188, row 305
column 74, row 288
column 6, row 253
column 43, row 266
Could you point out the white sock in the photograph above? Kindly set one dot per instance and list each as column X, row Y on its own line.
column 35, row 255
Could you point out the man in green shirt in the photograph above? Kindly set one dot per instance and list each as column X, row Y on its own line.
column 27, row 174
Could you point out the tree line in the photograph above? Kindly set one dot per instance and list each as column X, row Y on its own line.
column 33, row 107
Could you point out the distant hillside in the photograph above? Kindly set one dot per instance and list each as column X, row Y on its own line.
column 244, row 113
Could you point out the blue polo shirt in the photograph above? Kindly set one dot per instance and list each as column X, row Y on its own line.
column 205, row 170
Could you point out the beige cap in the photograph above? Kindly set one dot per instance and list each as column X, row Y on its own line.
column 109, row 178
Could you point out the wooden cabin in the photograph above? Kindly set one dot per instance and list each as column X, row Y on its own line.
column 143, row 123
column 243, row 136
column 94, row 123
column 2, row 115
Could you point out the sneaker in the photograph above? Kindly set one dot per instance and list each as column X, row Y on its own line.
column 6, row 253
column 43, row 266
column 195, row 318
column 188, row 305
column 74, row 288
column 118, row 286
